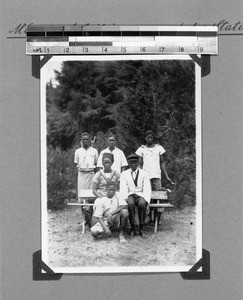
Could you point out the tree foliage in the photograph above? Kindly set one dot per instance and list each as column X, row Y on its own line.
column 61, row 182
column 127, row 98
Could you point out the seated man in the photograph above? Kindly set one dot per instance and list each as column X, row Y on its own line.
column 105, row 175
column 110, row 211
column 136, row 190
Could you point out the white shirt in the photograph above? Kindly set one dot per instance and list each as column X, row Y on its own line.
column 127, row 185
column 151, row 159
column 106, row 205
column 134, row 174
column 86, row 159
column 119, row 159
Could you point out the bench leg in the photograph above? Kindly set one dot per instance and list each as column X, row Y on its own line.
column 152, row 214
column 83, row 220
column 156, row 222
column 158, row 215
column 156, row 219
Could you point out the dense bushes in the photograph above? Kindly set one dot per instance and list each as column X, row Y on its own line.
column 182, row 171
column 61, row 177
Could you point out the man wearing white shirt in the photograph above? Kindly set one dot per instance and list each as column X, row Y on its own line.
column 135, row 188
column 151, row 160
column 110, row 211
column 120, row 161
column 85, row 158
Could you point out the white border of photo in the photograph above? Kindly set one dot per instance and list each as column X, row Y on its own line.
column 47, row 72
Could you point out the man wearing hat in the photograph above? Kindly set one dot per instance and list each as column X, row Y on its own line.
column 136, row 190
column 86, row 159
column 120, row 162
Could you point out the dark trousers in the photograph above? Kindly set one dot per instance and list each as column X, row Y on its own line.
column 133, row 201
column 88, row 212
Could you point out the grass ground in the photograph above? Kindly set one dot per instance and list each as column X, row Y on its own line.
column 174, row 244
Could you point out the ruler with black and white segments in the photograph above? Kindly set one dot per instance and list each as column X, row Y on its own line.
column 106, row 39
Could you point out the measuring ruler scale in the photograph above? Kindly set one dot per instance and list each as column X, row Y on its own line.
column 88, row 40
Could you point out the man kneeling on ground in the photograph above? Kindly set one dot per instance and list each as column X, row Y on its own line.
column 109, row 212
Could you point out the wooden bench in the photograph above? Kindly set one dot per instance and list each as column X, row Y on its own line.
column 158, row 196
column 86, row 194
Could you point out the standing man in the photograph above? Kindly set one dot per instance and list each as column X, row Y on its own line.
column 86, row 159
column 120, row 162
column 136, row 190
column 151, row 160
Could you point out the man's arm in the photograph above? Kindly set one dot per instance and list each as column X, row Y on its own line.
column 117, row 177
column 118, row 210
column 146, row 188
column 95, row 190
column 163, row 168
column 123, row 186
column 139, row 152
column 109, row 216
column 75, row 161
column 99, row 162
column 96, row 156
column 105, row 227
column 140, row 162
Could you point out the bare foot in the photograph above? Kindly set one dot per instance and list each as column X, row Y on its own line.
column 122, row 239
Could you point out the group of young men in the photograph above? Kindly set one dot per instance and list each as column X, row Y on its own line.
column 134, row 177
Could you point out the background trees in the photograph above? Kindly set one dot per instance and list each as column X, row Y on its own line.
column 127, row 98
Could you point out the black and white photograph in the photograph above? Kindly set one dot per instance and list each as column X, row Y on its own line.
column 121, row 182
column 131, row 77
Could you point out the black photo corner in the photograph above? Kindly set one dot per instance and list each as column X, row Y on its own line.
column 39, row 265
column 192, row 274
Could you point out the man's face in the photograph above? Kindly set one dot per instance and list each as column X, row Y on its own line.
column 133, row 164
column 111, row 190
column 111, row 142
column 107, row 163
column 149, row 139
column 85, row 141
